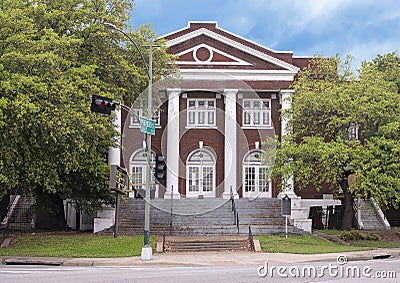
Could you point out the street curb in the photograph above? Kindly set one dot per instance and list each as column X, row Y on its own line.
column 32, row 261
column 203, row 259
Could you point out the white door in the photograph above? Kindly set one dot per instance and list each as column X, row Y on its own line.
column 200, row 174
column 256, row 182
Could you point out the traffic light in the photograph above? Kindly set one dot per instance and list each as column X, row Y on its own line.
column 102, row 104
column 161, row 167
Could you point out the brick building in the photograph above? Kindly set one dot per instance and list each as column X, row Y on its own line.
column 213, row 119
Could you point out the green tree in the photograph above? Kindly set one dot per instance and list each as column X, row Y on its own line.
column 54, row 55
column 329, row 101
column 389, row 64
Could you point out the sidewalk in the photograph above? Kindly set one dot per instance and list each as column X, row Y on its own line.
column 205, row 259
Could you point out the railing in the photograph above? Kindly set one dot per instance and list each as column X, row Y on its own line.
column 234, row 210
column 251, row 240
column 357, row 212
column 163, row 242
column 21, row 218
column 10, row 210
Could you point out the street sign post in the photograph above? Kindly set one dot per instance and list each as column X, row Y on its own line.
column 147, row 126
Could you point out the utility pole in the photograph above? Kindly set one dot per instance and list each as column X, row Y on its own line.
column 147, row 253
column 146, row 250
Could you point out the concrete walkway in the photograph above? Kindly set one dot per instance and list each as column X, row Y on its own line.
column 206, row 259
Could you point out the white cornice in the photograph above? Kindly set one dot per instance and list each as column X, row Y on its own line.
column 235, row 44
column 245, row 75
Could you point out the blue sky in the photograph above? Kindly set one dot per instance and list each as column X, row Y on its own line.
column 362, row 28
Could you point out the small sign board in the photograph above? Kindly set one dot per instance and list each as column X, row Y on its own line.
column 118, row 179
column 286, row 206
column 147, row 126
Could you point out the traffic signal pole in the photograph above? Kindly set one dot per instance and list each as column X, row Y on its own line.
column 145, row 250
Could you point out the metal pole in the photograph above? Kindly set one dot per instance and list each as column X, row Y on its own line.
column 286, row 226
column 172, row 200
column 116, row 214
column 148, row 156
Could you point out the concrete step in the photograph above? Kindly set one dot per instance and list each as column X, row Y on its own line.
column 201, row 216
column 222, row 243
column 370, row 217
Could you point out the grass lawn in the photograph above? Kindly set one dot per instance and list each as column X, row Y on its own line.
column 302, row 244
column 75, row 245
column 376, row 244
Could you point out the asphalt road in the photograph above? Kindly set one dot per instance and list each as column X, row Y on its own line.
column 361, row 271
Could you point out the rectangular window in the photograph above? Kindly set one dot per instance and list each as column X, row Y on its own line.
column 256, row 112
column 201, row 112
column 249, row 179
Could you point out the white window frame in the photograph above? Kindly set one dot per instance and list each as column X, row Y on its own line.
column 257, row 166
column 256, row 117
column 201, row 167
column 201, row 116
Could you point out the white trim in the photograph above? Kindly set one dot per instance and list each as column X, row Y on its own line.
column 238, row 62
column 228, row 32
column 245, row 75
column 235, row 44
column 201, row 127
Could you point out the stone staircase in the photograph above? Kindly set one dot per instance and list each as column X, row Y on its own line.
column 206, row 243
column 211, row 216
column 370, row 218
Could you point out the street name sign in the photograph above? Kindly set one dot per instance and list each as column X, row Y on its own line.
column 147, row 126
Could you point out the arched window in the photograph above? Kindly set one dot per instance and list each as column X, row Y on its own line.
column 256, row 182
column 137, row 170
column 200, row 174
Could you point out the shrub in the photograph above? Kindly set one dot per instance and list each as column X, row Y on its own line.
column 352, row 235
column 371, row 237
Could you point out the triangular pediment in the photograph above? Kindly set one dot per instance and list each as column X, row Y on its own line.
column 208, row 46
column 204, row 54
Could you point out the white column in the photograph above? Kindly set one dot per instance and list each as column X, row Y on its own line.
column 173, row 144
column 114, row 153
column 230, row 162
column 286, row 95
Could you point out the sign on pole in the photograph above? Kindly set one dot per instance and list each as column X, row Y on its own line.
column 286, row 210
column 118, row 179
column 286, row 206
column 147, row 126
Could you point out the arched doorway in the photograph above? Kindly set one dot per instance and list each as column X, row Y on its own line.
column 200, row 174
column 256, row 182
column 137, row 171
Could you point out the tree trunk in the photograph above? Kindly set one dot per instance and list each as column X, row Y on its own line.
column 50, row 212
column 348, row 215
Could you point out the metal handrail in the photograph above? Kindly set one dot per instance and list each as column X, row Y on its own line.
column 10, row 209
column 234, row 210
column 251, row 240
